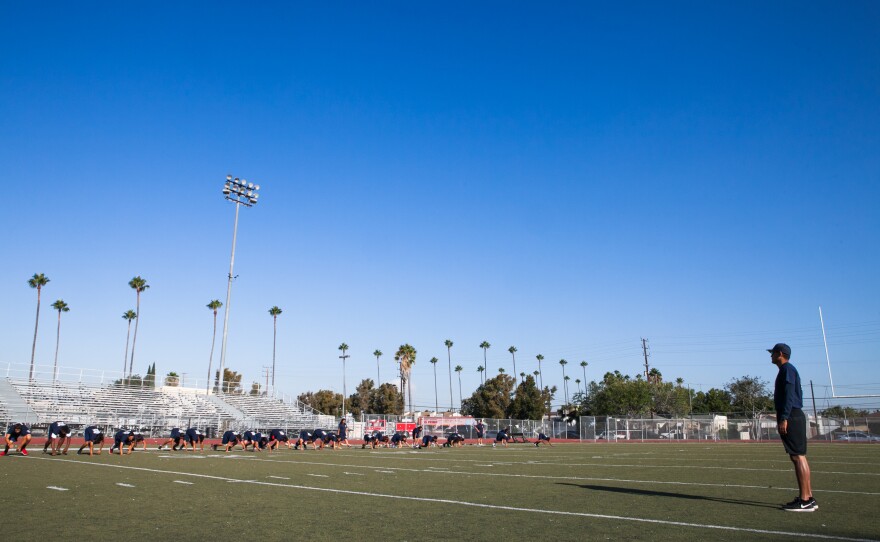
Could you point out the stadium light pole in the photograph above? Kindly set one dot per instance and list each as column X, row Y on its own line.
column 240, row 192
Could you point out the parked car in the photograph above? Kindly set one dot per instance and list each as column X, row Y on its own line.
column 858, row 436
column 605, row 435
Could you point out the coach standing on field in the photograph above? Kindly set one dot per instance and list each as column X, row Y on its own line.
column 792, row 425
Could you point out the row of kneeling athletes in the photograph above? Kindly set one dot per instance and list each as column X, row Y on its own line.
column 18, row 435
column 59, row 436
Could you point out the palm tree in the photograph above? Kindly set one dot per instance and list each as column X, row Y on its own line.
column 536, row 373
column 274, row 312
column 343, row 348
column 540, row 358
column 436, row 403
column 214, row 305
column 485, row 346
column 480, row 370
column 584, row 367
column 565, row 385
column 501, row 370
column 60, row 306
column 137, row 284
column 448, row 344
column 566, row 379
column 578, row 382
column 406, row 356
column 459, row 369
column 378, row 354
column 127, row 315
column 512, row 351
column 37, row 281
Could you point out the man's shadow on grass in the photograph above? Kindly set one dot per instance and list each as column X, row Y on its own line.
column 652, row 493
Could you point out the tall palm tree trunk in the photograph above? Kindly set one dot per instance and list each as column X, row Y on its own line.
column 459, row 391
column 274, row 337
column 135, row 338
column 449, row 358
column 57, row 342
column 36, row 326
column 211, row 357
column 125, row 359
column 436, row 401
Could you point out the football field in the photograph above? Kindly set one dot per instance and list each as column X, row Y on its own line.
column 619, row 491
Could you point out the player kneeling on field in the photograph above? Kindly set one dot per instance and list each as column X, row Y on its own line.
column 278, row 437
column 92, row 436
column 194, row 437
column 17, row 434
column 428, row 441
column 398, row 440
column 454, row 439
column 57, row 436
column 305, row 437
column 230, row 439
column 175, row 440
column 121, row 439
column 503, row 436
column 543, row 439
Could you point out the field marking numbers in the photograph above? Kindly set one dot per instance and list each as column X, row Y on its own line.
column 57, row 488
column 182, row 482
column 483, row 505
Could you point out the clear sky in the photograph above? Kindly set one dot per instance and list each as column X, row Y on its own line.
column 565, row 177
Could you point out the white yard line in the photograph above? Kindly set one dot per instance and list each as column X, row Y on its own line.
column 488, row 506
column 124, row 485
column 57, row 488
column 182, row 482
column 318, row 475
column 278, row 477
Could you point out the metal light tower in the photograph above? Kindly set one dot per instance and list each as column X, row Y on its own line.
column 240, row 192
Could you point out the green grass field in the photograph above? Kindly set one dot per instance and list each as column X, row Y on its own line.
column 569, row 492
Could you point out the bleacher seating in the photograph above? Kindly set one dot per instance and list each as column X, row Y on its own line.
column 157, row 409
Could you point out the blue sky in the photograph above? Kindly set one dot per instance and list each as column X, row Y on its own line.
column 566, row 178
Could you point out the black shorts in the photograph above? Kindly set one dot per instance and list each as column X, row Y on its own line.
column 795, row 440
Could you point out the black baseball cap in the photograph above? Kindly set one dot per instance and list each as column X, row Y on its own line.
column 781, row 347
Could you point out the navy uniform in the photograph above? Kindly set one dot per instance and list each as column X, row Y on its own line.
column 503, row 436
column 249, row 439
column 175, row 440
column 454, row 439
column 193, row 437
column 17, row 433
column 277, row 436
column 305, row 437
column 139, row 438
column 428, row 440
column 397, row 439
column 58, row 434
column 481, row 430
column 230, row 439
column 91, row 437
column 123, row 437
column 543, row 438
column 370, row 440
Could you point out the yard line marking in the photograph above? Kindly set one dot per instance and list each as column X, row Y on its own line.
column 278, row 477
column 353, row 473
column 484, row 505
column 318, row 475
column 388, row 471
column 124, row 485
column 57, row 488
column 182, row 482
column 572, row 478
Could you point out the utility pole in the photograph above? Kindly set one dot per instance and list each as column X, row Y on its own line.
column 815, row 416
column 267, row 370
column 645, row 352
